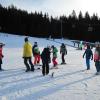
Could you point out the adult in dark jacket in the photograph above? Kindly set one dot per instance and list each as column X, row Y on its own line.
column 45, row 61
column 89, row 55
column 63, row 52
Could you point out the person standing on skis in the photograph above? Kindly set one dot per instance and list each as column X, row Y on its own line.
column 97, row 57
column 36, row 54
column 54, row 51
column 45, row 56
column 89, row 55
column 27, row 55
column 63, row 52
column 1, row 55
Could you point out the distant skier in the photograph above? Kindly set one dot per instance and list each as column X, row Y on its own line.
column 54, row 51
column 27, row 55
column 45, row 61
column 1, row 55
column 97, row 57
column 63, row 52
column 80, row 45
column 89, row 55
column 36, row 53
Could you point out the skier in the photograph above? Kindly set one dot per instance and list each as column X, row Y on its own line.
column 80, row 45
column 1, row 55
column 63, row 51
column 97, row 57
column 54, row 56
column 36, row 53
column 45, row 61
column 89, row 55
column 27, row 55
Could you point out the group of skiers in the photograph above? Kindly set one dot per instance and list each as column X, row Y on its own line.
column 45, row 56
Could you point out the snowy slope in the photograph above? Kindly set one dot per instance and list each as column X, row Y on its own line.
column 70, row 82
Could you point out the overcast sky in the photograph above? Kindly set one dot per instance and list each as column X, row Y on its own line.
column 56, row 7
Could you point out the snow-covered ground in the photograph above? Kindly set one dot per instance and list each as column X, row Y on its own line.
column 70, row 82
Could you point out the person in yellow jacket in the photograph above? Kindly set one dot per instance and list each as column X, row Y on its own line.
column 27, row 55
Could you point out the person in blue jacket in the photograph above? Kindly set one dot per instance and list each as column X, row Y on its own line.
column 89, row 55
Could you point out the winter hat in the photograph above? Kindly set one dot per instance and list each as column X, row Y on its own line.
column 52, row 46
column 1, row 44
column 26, row 39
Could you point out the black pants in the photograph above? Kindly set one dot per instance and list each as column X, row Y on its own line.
column 0, row 63
column 63, row 60
column 97, row 65
column 45, row 68
column 28, row 63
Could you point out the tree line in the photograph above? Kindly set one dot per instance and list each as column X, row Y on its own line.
column 37, row 24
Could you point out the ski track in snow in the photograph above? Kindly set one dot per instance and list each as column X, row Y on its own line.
column 70, row 81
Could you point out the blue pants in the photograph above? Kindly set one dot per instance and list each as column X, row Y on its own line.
column 88, row 64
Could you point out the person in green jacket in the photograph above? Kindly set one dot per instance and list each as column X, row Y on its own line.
column 54, row 56
column 27, row 55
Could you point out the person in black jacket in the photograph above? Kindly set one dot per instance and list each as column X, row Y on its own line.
column 63, row 52
column 89, row 55
column 45, row 56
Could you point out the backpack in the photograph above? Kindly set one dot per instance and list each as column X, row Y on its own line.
column 96, row 56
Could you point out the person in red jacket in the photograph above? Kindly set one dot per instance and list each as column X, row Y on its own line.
column 1, row 55
column 97, row 57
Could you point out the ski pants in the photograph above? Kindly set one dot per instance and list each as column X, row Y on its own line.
column 88, row 63
column 54, row 61
column 0, row 63
column 28, row 63
column 63, row 60
column 36, row 59
column 45, row 68
column 97, row 65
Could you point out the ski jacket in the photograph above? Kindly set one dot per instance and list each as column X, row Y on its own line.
column 88, row 53
column 63, row 50
column 1, row 55
column 45, row 55
column 35, row 50
column 55, row 52
column 27, row 50
column 97, row 55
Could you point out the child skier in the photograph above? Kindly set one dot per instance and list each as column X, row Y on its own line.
column 63, row 51
column 97, row 57
column 1, row 55
column 54, row 56
column 36, row 54
column 45, row 61
column 89, row 55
